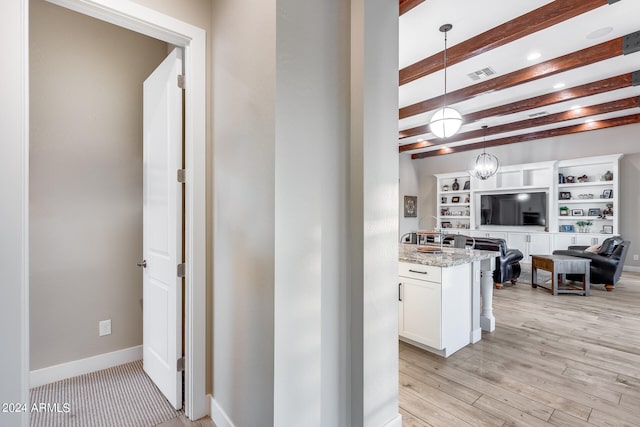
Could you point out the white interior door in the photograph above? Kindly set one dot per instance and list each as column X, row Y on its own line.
column 162, row 227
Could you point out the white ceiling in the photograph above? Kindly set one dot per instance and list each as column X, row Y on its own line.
column 420, row 38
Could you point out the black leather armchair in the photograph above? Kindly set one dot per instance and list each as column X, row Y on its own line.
column 606, row 264
column 507, row 264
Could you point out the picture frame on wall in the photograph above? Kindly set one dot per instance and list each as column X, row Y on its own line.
column 443, row 199
column 467, row 185
column 446, row 224
column 566, row 228
column 577, row 212
column 455, row 199
column 594, row 212
column 607, row 194
column 410, row 206
column 607, row 229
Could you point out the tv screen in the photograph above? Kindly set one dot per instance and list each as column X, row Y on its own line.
column 514, row 209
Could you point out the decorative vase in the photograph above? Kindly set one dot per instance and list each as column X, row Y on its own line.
column 455, row 186
column 608, row 176
column 445, row 187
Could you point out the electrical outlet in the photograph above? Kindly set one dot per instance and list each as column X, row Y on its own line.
column 104, row 327
column 636, row 257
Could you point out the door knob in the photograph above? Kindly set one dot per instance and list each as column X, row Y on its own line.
column 143, row 264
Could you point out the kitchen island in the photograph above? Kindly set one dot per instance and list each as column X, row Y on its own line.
column 439, row 295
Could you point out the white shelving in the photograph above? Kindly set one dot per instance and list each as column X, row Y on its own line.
column 454, row 205
column 594, row 200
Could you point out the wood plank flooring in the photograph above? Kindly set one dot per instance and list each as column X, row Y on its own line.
column 566, row 360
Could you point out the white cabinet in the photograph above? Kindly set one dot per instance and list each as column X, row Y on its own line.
column 435, row 306
column 420, row 311
column 530, row 244
column 488, row 234
column 564, row 240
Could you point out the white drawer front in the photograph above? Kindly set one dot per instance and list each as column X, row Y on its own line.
column 420, row 272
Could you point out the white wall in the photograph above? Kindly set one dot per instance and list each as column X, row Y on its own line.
column 305, row 215
column 14, row 356
column 622, row 139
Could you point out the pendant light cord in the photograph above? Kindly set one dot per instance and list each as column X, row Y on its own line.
column 444, row 97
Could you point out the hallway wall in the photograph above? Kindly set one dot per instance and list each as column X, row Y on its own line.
column 85, row 183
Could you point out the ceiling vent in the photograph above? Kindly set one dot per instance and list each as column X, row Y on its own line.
column 481, row 74
column 541, row 113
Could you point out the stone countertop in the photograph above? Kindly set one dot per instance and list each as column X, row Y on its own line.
column 448, row 258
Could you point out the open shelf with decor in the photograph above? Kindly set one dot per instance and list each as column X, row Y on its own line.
column 454, row 201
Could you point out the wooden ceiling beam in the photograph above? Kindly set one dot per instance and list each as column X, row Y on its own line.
column 581, row 58
column 604, row 108
column 522, row 26
column 593, row 88
column 407, row 5
column 550, row 133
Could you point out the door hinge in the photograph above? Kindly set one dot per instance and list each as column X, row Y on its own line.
column 181, row 268
column 180, row 364
column 181, row 81
column 181, row 175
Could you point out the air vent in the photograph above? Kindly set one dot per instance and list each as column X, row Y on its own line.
column 481, row 74
column 541, row 113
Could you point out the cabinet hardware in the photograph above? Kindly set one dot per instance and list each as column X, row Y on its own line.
column 416, row 271
column 399, row 291
column 142, row 264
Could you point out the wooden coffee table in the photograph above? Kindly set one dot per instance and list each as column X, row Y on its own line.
column 558, row 266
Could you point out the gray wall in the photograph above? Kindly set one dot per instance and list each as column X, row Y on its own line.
column 305, row 322
column 85, row 183
column 623, row 139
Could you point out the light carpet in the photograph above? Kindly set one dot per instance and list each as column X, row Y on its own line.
column 122, row 396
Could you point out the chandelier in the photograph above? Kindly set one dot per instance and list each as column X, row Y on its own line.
column 487, row 165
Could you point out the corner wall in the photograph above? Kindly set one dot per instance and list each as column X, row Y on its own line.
column 622, row 139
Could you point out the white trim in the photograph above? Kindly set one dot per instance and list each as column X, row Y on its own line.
column 84, row 366
column 631, row 268
column 396, row 422
column 193, row 39
column 219, row 417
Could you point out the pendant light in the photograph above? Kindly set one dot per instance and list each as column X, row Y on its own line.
column 486, row 164
column 446, row 121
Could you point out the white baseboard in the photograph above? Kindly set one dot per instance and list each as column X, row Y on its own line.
column 396, row 422
column 218, row 415
column 83, row 366
column 631, row 268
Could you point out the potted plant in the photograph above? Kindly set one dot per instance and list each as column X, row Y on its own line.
column 584, row 226
column 564, row 210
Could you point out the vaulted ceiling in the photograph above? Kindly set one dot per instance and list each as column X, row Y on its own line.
column 528, row 69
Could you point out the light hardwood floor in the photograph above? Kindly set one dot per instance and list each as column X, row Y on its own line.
column 567, row 360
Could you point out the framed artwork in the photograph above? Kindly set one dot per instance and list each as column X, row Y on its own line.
column 594, row 212
column 566, row 228
column 565, row 195
column 455, row 199
column 608, row 194
column 410, row 206
column 467, row 185
column 577, row 212
column 607, row 229
column 446, row 224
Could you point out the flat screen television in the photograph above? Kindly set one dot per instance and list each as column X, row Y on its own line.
column 514, row 209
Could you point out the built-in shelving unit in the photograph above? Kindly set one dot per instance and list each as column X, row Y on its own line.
column 587, row 187
column 454, row 201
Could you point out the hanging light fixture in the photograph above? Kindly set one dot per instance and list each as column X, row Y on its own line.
column 486, row 164
column 446, row 121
